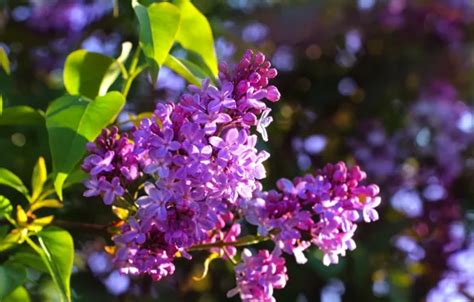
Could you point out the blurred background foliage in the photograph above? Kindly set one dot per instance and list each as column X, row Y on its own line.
column 352, row 76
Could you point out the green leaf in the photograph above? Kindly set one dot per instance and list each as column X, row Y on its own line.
column 192, row 73
column 89, row 74
column 19, row 294
column 4, row 62
column 159, row 25
column 38, row 178
column 72, row 121
column 46, row 203
column 8, row 178
column 11, row 276
column 58, row 254
column 9, row 241
column 1, row 104
column 6, row 207
column 29, row 259
column 195, row 34
column 21, row 115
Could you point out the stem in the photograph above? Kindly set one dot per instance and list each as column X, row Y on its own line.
column 132, row 75
column 80, row 225
column 244, row 241
column 44, row 257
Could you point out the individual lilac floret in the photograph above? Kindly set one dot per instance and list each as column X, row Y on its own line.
column 258, row 275
column 112, row 165
column 323, row 207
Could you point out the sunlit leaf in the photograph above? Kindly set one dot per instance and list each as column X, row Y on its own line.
column 9, row 179
column 4, row 62
column 89, row 74
column 6, row 207
column 38, row 178
column 72, row 121
column 189, row 71
column 21, row 217
column 21, row 115
column 28, row 258
column 10, row 240
column 58, row 252
column 11, row 276
column 19, row 294
column 159, row 24
column 195, row 34
column 47, row 203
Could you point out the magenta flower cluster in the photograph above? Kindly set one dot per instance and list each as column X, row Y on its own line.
column 323, row 207
column 197, row 169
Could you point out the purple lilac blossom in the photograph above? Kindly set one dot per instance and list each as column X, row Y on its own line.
column 326, row 206
column 112, row 165
column 202, row 159
column 200, row 171
column 257, row 276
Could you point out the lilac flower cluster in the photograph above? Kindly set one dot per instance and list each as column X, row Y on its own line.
column 324, row 207
column 198, row 171
column 112, row 165
column 258, row 275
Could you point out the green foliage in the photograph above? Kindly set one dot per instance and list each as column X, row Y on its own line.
column 192, row 73
column 38, row 178
column 21, row 116
column 5, row 206
column 58, row 255
column 89, row 74
column 19, row 294
column 72, row 121
column 29, row 259
column 159, row 25
column 9, row 179
column 12, row 275
column 195, row 34
column 4, row 62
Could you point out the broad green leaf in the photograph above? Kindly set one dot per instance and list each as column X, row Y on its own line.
column 89, row 74
column 19, row 294
column 192, row 73
column 38, row 178
column 4, row 62
column 11, row 276
column 1, row 104
column 21, row 115
column 8, row 178
column 195, row 34
column 58, row 252
column 29, row 259
column 72, row 121
column 6, row 207
column 159, row 24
